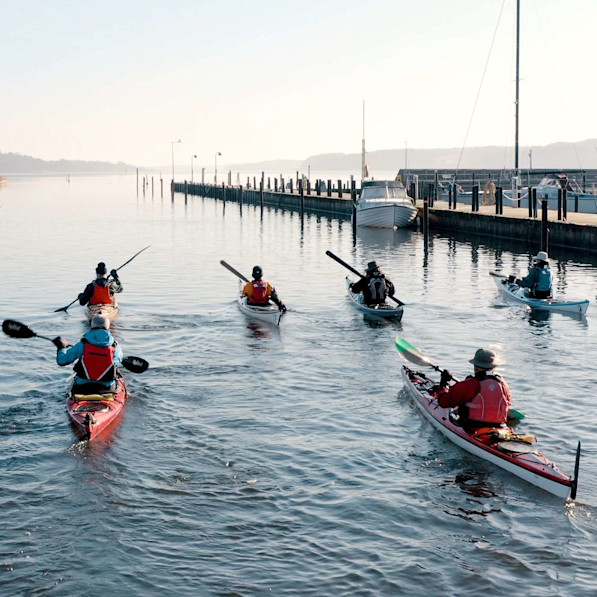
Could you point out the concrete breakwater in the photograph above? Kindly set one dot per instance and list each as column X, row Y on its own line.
column 579, row 231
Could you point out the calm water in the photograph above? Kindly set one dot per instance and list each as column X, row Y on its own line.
column 256, row 461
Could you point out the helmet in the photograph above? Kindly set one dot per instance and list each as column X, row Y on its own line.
column 101, row 269
column 257, row 273
column 100, row 322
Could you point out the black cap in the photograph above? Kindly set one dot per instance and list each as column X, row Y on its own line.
column 101, row 268
column 257, row 273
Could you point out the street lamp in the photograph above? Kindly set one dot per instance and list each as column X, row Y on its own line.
column 216, row 169
column 173, row 142
column 193, row 156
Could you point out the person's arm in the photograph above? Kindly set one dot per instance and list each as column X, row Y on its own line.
column 274, row 298
column 460, row 393
column 391, row 288
column 70, row 354
column 359, row 285
column 86, row 295
column 248, row 289
column 530, row 280
column 118, row 356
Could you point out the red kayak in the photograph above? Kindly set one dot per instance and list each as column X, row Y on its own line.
column 501, row 445
column 91, row 414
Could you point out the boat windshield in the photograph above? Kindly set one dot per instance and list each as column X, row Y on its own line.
column 383, row 192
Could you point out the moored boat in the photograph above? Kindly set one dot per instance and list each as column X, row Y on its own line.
column 521, row 296
column 384, row 204
column 107, row 310
column 92, row 413
column 268, row 313
column 500, row 446
column 384, row 310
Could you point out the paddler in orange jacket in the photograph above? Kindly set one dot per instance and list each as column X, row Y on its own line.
column 260, row 292
column 483, row 399
column 102, row 290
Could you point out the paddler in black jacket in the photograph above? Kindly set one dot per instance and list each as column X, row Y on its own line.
column 102, row 290
column 374, row 286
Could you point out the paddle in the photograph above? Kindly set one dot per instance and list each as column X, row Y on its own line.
column 354, row 271
column 496, row 275
column 125, row 263
column 235, row 272
column 412, row 354
column 15, row 329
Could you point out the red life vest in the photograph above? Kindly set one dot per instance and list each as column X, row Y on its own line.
column 101, row 295
column 97, row 362
column 491, row 404
column 260, row 294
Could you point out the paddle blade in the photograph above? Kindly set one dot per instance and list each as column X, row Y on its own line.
column 135, row 364
column 514, row 416
column 14, row 329
column 61, row 309
column 496, row 275
column 410, row 353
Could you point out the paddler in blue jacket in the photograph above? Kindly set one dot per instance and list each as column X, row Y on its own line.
column 539, row 280
column 102, row 290
column 98, row 355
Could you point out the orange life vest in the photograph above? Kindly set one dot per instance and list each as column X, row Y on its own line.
column 101, row 295
column 260, row 295
column 97, row 362
column 491, row 404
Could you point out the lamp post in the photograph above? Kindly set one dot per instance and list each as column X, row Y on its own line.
column 193, row 156
column 173, row 142
column 216, row 168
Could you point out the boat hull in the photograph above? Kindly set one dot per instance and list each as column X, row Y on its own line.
column 92, row 414
column 386, row 311
column 268, row 314
column 529, row 465
column 517, row 294
column 108, row 310
column 387, row 215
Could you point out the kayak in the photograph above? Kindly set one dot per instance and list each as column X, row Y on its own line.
column 91, row 414
column 520, row 295
column 268, row 313
column 108, row 310
column 384, row 310
column 499, row 445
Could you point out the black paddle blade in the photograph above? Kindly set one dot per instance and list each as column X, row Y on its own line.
column 14, row 329
column 61, row 309
column 135, row 364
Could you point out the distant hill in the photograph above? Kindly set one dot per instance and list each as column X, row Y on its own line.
column 15, row 163
column 269, row 166
column 581, row 155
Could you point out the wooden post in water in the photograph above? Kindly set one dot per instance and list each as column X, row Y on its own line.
column 544, row 228
column 559, row 204
column 308, row 187
column 269, row 183
column 240, row 195
column 172, row 189
column 275, row 185
column 475, row 199
column 353, row 197
column 224, row 192
column 530, row 200
column 575, row 203
column 426, row 221
column 161, row 188
column 450, row 197
column 290, row 182
column 565, row 205
column 302, row 193
column 137, row 181
column 329, row 188
column 318, row 187
column 186, row 191
column 339, row 189
column 261, row 195
column 282, row 185
column 455, row 197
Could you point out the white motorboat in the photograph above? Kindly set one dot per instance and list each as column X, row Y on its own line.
column 384, row 204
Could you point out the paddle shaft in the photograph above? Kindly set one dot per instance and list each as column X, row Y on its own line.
column 354, row 271
column 235, row 272
column 125, row 263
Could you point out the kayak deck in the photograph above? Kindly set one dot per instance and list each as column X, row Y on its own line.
column 520, row 295
column 383, row 310
column 108, row 310
column 500, row 446
column 91, row 414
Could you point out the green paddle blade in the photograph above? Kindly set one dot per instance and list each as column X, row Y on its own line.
column 514, row 416
column 410, row 353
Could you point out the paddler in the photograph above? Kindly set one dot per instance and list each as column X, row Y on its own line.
column 102, row 290
column 374, row 285
column 98, row 355
column 539, row 280
column 482, row 399
column 260, row 292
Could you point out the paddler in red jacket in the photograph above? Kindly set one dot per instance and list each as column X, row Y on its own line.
column 483, row 399
column 260, row 292
column 102, row 290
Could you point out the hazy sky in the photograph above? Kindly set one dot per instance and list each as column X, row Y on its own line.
column 268, row 79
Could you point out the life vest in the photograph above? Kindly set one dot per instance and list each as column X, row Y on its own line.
column 378, row 289
column 545, row 279
column 491, row 404
column 260, row 295
column 101, row 295
column 97, row 362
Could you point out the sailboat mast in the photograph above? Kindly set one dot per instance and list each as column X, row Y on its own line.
column 363, row 146
column 517, row 83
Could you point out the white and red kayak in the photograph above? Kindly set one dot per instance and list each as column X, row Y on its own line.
column 92, row 413
column 500, row 446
